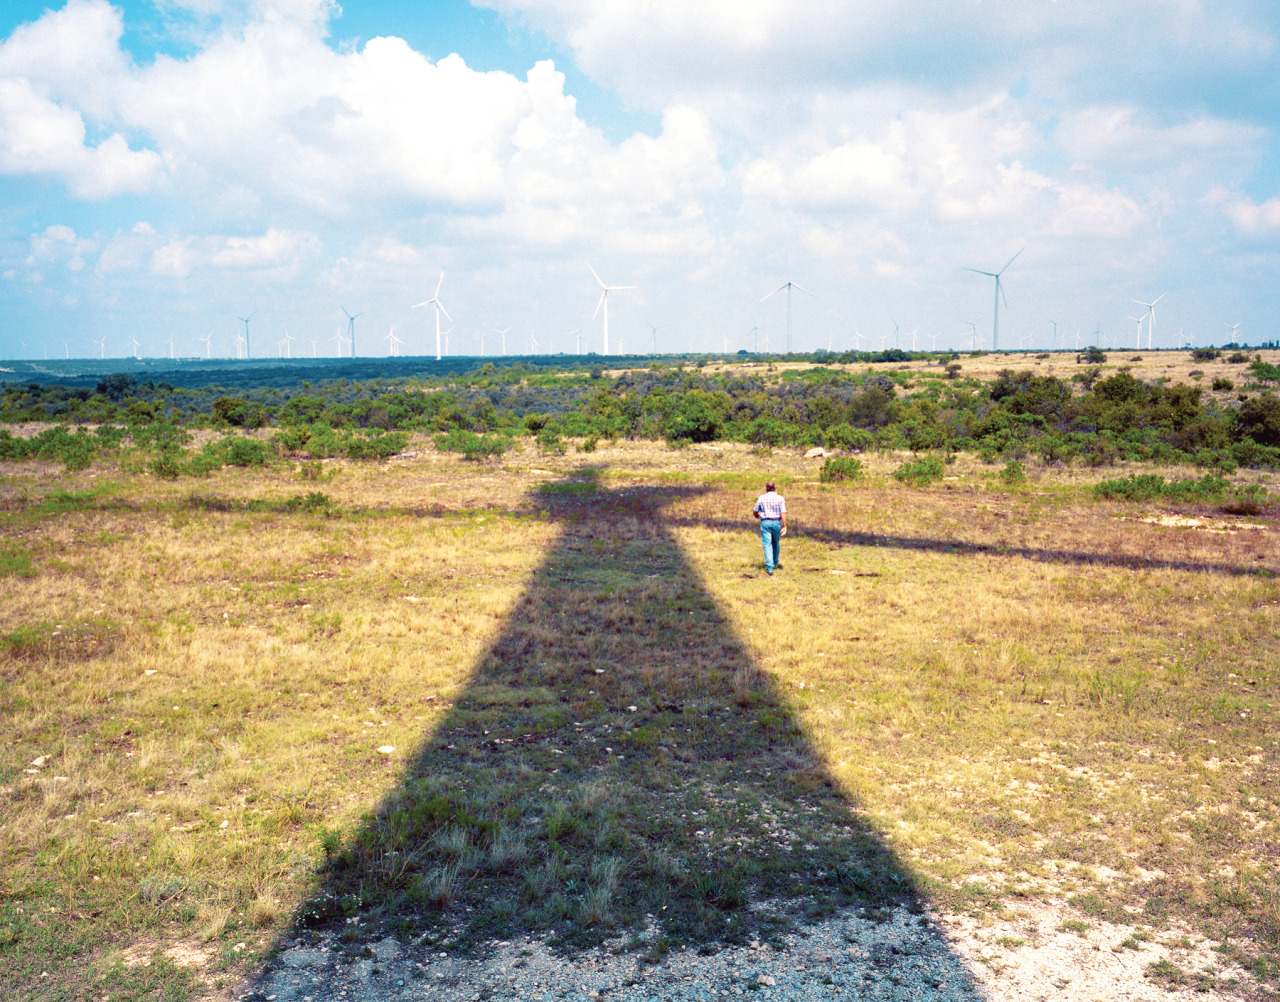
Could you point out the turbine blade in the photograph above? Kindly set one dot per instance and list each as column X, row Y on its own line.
column 427, row 303
column 1010, row 261
column 597, row 277
column 444, row 311
column 599, row 303
column 805, row 291
column 438, row 284
column 976, row 271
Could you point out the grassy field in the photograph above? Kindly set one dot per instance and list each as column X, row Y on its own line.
column 454, row 700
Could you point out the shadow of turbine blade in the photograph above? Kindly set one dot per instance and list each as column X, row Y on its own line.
column 617, row 760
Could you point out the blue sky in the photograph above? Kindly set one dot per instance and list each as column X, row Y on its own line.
column 169, row 165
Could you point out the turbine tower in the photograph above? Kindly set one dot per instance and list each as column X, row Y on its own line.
column 245, row 321
column 1150, row 316
column 604, row 302
column 788, row 286
column 351, row 328
column 995, row 321
column 435, row 301
column 655, row 335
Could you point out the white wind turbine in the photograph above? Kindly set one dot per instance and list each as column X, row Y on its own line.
column 857, row 338
column 788, row 286
column 1137, row 343
column 341, row 341
column 576, row 333
column 1055, row 333
column 313, row 347
column 351, row 328
column 995, row 322
column 288, row 343
column 604, row 303
column 435, row 301
column 208, row 343
column 973, row 333
column 503, row 334
column 896, row 327
column 655, row 335
column 1232, row 328
column 755, row 335
column 245, row 321
column 394, row 343
column 533, row 344
column 133, row 341
column 1150, row 317
column 102, row 346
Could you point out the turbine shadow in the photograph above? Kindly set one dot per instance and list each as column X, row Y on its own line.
column 617, row 761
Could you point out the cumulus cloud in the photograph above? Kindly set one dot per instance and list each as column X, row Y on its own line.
column 1252, row 218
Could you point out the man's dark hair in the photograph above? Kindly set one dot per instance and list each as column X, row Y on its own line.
column 770, row 486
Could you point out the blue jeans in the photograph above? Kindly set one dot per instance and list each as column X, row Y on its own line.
column 771, row 538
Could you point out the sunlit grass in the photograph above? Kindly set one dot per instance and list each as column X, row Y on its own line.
column 1026, row 692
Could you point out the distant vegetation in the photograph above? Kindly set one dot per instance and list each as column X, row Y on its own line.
column 1091, row 419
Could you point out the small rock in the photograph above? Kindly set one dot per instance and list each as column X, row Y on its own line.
column 39, row 762
column 815, row 453
column 387, row 749
column 764, row 979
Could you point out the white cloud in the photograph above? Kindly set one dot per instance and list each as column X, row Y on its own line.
column 275, row 248
column 1252, row 218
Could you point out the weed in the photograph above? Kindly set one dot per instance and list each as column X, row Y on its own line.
column 920, row 472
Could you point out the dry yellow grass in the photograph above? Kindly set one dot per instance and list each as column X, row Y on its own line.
column 1024, row 692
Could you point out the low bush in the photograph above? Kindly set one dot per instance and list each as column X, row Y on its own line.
column 470, row 445
column 837, row 469
column 1152, row 486
column 920, row 472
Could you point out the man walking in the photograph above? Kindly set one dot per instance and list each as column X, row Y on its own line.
column 771, row 511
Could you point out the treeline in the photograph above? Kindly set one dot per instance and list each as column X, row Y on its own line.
column 1092, row 418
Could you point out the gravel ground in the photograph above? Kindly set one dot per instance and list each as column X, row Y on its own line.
column 1022, row 955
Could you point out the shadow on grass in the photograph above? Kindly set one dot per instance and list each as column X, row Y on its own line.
column 961, row 548
column 617, row 760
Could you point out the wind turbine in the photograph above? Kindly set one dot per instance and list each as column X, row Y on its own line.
column 394, row 343
column 313, row 347
column 1232, row 328
column 604, row 302
column 1138, row 339
column 208, row 343
column 857, row 338
column 533, row 344
column 133, row 340
column 446, row 340
column 973, row 333
column 995, row 322
column 655, row 335
column 503, row 335
column 341, row 341
column 288, row 343
column 755, row 334
column 102, row 346
column 577, row 334
column 245, row 321
column 351, row 328
column 1151, row 314
column 788, row 286
column 913, row 338
column 896, row 327
column 435, row 301
column 1055, row 332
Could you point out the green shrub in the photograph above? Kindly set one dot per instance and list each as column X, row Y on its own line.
column 920, row 472
column 549, row 441
column 168, row 465
column 470, row 445
column 245, row 452
column 1222, row 384
column 1152, row 486
column 837, row 469
column 1013, row 473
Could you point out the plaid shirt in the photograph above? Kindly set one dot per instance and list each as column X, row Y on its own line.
column 770, row 506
